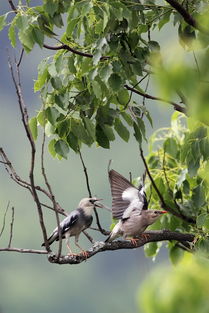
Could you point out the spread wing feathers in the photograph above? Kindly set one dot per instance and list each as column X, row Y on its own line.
column 65, row 226
column 125, row 197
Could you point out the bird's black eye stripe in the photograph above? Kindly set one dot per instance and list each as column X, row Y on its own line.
column 92, row 201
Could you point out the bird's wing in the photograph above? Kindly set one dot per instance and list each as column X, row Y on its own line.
column 69, row 221
column 125, row 197
column 123, row 192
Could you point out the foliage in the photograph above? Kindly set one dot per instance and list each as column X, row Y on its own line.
column 179, row 289
column 104, row 53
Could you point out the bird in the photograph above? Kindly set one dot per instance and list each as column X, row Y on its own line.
column 130, row 206
column 77, row 221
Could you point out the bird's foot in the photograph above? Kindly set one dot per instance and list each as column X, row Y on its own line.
column 84, row 254
column 145, row 236
column 134, row 241
column 72, row 254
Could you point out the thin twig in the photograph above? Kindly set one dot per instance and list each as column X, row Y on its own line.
column 21, row 56
column 163, row 204
column 189, row 19
column 11, row 227
column 52, row 195
column 176, row 106
column 88, row 236
column 103, row 231
column 4, row 219
column 21, row 250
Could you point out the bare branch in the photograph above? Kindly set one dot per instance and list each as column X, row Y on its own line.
column 52, row 196
column 88, row 236
column 4, row 220
column 151, row 236
column 24, row 116
column 176, row 106
column 163, row 204
column 21, row 250
column 12, row 6
column 103, row 231
column 11, row 227
column 189, row 19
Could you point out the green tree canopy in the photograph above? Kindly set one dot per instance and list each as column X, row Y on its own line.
column 92, row 88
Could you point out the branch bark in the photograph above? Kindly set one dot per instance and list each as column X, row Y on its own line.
column 151, row 236
column 176, row 106
column 163, row 203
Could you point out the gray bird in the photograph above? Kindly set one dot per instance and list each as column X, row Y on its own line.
column 129, row 205
column 77, row 221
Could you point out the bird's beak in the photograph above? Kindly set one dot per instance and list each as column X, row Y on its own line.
column 162, row 212
column 98, row 204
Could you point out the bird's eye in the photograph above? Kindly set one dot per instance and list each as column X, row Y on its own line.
column 92, row 201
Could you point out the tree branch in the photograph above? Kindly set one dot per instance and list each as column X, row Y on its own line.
column 103, row 231
column 55, row 209
column 24, row 117
column 152, row 236
column 176, row 106
column 21, row 250
column 186, row 16
column 163, row 204
column 11, row 227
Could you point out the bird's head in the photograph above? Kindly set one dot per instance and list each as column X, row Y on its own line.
column 153, row 215
column 87, row 204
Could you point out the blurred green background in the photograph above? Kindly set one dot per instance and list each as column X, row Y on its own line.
column 29, row 283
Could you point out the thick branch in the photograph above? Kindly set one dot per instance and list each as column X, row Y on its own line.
column 176, row 106
column 152, row 236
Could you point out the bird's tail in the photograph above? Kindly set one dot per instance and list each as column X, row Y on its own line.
column 51, row 239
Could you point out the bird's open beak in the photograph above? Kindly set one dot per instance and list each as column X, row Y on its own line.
column 163, row 212
column 98, row 204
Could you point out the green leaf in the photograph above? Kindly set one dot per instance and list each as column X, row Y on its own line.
column 89, row 127
column 38, row 36
column 198, row 196
column 170, row 146
column 101, row 137
column 121, row 130
column 51, row 147
column 175, row 254
column 41, row 118
column 127, row 118
column 2, row 21
column 201, row 220
column 12, row 35
column 71, row 26
column 26, row 38
column 71, row 65
column 150, row 249
column 80, row 132
column 97, row 89
column 105, row 72
column 33, row 127
column 73, row 142
column 108, row 132
column 137, row 133
column 52, row 114
column 123, row 96
column 50, row 7
column 115, row 82
column 61, row 148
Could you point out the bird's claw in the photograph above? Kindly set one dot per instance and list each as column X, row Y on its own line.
column 145, row 236
column 134, row 241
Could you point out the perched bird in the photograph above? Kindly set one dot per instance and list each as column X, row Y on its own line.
column 77, row 221
column 129, row 205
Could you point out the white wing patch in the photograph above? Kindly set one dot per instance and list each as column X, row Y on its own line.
column 130, row 194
